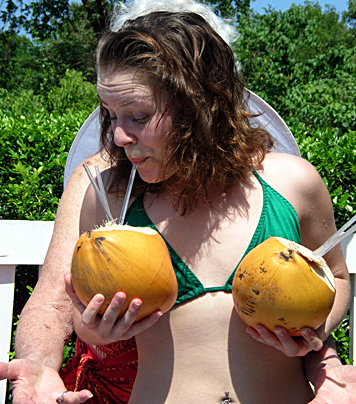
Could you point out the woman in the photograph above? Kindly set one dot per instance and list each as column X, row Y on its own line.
column 172, row 103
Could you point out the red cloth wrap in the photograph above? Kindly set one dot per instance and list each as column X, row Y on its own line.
column 107, row 371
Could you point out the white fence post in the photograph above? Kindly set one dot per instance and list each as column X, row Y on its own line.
column 7, row 278
column 352, row 325
column 22, row 242
column 349, row 249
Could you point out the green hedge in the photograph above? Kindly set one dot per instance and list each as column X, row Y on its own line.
column 36, row 134
column 334, row 156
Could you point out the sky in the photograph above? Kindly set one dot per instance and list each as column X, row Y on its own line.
column 283, row 5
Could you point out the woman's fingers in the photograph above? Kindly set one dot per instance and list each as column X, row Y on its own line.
column 314, row 341
column 109, row 327
column 142, row 325
column 291, row 346
column 90, row 314
column 113, row 310
column 129, row 317
column 282, row 341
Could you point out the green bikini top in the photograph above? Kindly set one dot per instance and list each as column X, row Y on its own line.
column 278, row 219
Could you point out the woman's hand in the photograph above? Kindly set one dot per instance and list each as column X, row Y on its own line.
column 33, row 383
column 103, row 330
column 281, row 340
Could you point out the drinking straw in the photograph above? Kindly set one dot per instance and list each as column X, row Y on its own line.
column 99, row 194
column 336, row 238
column 128, row 193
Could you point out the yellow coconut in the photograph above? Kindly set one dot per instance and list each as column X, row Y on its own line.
column 134, row 260
column 281, row 283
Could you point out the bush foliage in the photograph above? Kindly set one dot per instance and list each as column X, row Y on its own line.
column 37, row 132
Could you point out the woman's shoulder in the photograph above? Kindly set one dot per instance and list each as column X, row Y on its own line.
column 283, row 170
column 285, row 164
column 294, row 178
column 79, row 179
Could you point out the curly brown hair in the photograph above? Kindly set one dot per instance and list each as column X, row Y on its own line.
column 212, row 141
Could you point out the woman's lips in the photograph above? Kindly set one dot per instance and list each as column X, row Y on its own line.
column 137, row 161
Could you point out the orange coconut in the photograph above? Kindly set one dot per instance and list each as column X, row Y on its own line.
column 134, row 260
column 281, row 283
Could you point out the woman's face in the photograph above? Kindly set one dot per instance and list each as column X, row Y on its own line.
column 137, row 120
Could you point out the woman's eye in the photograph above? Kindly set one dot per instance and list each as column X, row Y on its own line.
column 112, row 118
column 143, row 119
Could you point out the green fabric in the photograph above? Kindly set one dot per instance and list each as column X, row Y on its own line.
column 278, row 219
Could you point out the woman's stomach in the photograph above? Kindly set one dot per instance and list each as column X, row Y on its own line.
column 200, row 349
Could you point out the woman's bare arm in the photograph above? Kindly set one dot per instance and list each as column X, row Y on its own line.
column 302, row 186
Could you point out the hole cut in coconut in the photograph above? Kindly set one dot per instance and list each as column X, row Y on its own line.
column 317, row 264
column 125, row 227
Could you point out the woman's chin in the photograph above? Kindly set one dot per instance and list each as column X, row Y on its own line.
column 149, row 177
column 152, row 174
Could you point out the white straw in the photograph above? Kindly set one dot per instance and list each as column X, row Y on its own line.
column 128, row 193
column 101, row 198
column 102, row 188
column 336, row 238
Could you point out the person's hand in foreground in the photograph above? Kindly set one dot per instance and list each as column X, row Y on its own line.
column 334, row 383
column 34, row 383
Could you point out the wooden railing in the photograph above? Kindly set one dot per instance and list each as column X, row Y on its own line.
column 25, row 243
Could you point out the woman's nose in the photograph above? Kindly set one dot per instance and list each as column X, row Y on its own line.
column 122, row 136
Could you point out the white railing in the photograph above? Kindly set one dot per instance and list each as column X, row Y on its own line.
column 22, row 242
column 25, row 243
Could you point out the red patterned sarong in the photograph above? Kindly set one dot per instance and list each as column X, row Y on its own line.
column 107, row 371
